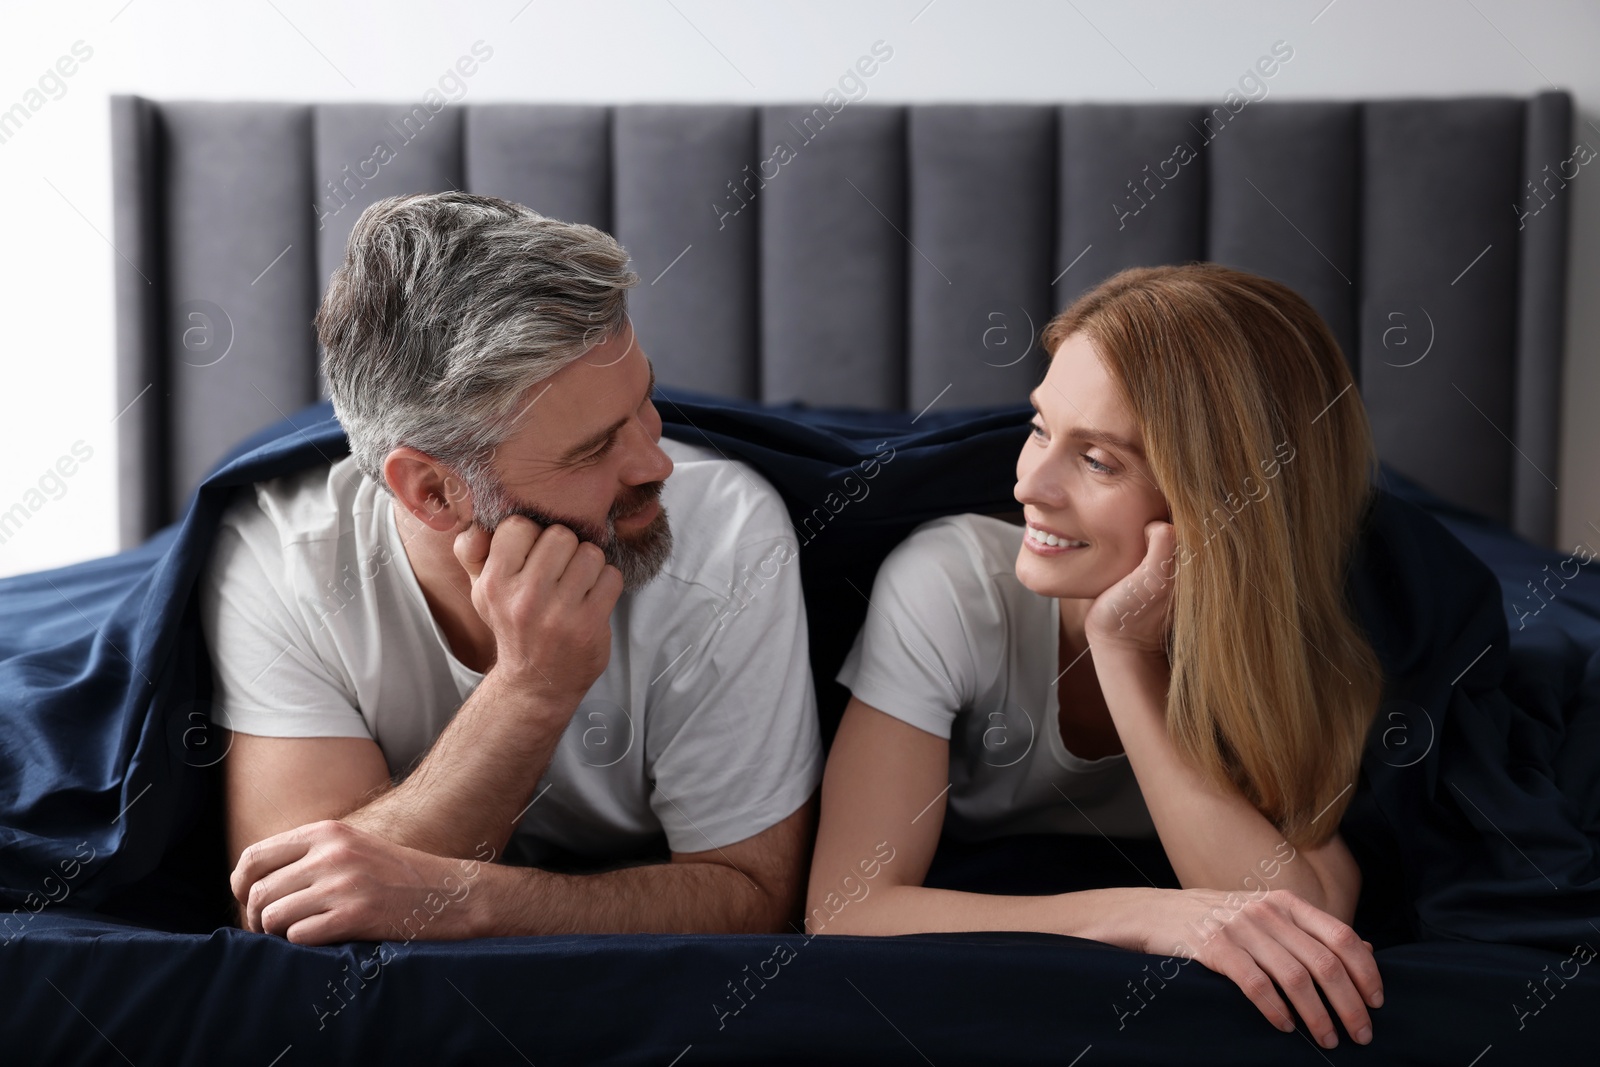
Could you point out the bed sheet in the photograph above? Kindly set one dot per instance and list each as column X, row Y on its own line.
column 1475, row 820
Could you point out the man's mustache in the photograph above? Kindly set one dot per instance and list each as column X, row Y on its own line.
column 637, row 498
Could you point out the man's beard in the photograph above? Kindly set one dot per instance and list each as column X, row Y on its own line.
column 639, row 556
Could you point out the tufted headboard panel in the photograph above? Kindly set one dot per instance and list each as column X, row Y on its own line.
column 877, row 256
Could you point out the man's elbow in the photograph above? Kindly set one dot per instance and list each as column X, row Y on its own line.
column 774, row 909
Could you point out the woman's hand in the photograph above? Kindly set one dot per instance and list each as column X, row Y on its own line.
column 1275, row 937
column 1135, row 611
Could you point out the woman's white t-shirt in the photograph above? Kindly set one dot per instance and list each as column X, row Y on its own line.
column 955, row 645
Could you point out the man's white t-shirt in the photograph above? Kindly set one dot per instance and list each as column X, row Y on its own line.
column 702, row 727
column 955, row 645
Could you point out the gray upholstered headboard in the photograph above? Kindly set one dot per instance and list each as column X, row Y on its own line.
column 879, row 256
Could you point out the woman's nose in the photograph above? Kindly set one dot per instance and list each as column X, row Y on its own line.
column 1035, row 484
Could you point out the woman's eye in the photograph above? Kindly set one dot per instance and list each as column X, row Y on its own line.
column 1038, row 431
column 1095, row 465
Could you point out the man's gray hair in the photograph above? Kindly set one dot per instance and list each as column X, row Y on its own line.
column 447, row 308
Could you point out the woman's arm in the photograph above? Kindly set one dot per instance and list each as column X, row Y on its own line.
column 883, row 795
column 883, row 804
column 1213, row 837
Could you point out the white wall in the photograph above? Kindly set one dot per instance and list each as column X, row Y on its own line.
column 56, row 300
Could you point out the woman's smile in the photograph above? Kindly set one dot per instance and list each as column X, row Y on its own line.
column 1049, row 543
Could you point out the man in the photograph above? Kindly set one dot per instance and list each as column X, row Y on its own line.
column 479, row 636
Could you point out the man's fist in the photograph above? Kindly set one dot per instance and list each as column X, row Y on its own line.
column 329, row 881
column 548, row 598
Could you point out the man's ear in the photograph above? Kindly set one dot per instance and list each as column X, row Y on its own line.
column 428, row 490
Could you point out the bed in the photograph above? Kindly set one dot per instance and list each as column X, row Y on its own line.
column 885, row 286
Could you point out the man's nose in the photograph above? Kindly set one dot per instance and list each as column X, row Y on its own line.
column 654, row 466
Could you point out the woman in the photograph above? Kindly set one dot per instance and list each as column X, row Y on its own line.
column 1172, row 624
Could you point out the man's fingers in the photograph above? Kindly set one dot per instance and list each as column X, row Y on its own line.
column 554, row 551
column 283, row 913
column 275, row 886
column 583, row 569
column 514, row 541
column 323, row 928
column 472, row 549
column 607, row 587
column 264, row 857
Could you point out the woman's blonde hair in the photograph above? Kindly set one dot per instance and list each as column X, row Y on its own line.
column 1261, row 446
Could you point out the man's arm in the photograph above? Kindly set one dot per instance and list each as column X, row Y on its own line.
column 753, row 886
column 273, row 784
column 331, row 882
column 464, row 794
column 478, row 775
column 549, row 600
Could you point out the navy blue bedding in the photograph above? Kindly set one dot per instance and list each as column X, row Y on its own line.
column 1475, row 823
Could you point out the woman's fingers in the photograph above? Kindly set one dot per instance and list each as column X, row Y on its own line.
column 1300, row 965
column 1354, row 953
column 1279, row 943
column 1241, row 966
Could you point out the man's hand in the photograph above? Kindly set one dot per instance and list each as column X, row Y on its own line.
column 329, row 881
column 548, row 598
column 1135, row 612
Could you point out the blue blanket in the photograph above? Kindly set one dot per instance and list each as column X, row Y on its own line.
column 1475, row 820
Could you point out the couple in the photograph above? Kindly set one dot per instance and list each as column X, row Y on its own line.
column 478, row 637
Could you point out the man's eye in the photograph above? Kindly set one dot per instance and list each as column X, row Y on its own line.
column 600, row 452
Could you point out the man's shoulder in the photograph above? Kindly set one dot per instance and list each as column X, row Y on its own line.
column 307, row 507
column 297, row 531
column 723, row 512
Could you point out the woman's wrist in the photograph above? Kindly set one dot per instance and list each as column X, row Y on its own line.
column 1115, row 916
column 1105, row 649
column 1134, row 683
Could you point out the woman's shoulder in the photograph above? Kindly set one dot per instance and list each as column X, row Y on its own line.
column 943, row 607
column 966, row 561
column 987, row 543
